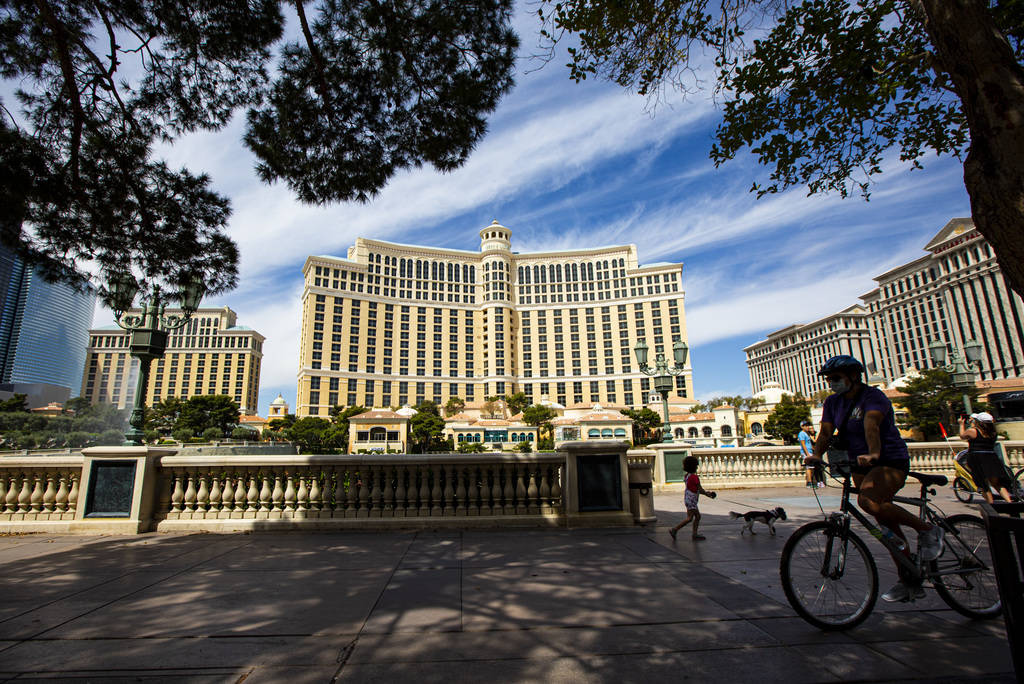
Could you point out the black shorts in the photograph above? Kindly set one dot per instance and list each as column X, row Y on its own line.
column 985, row 467
column 902, row 464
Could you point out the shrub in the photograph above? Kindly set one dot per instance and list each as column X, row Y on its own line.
column 244, row 433
column 182, row 434
column 79, row 439
column 211, row 434
column 110, row 437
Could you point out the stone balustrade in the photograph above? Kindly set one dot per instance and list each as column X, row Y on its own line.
column 326, row 491
column 39, row 488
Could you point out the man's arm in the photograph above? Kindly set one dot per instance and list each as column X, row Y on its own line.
column 824, row 437
column 872, row 435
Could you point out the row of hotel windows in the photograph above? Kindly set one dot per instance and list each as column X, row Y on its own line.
column 706, row 431
column 496, row 436
column 369, row 397
column 120, row 341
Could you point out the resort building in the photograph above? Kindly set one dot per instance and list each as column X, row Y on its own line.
column 44, row 328
column 955, row 293
column 209, row 355
column 393, row 324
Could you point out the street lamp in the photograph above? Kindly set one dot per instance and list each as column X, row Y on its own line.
column 662, row 374
column 148, row 332
column 961, row 368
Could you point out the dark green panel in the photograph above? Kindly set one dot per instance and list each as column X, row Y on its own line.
column 674, row 465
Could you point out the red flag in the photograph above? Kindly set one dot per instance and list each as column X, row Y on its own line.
column 943, row 429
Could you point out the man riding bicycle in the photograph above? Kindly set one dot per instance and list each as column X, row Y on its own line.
column 863, row 416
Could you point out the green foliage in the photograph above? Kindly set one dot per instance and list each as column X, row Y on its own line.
column 205, row 411
column 212, row 434
column 368, row 89
column 151, row 436
column 282, row 423
column 517, row 402
column 163, row 415
column 25, row 430
column 784, row 421
column 525, row 447
column 77, row 440
column 16, row 404
column 315, row 435
column 932, row 398
column 340, row 417
column 453, row 406
column 427, row 407
column 541, row 416
column 245, row 434
column 182, row 434
column 110, row 438
column 645, row 424
column 471, row 448
column 425, row 429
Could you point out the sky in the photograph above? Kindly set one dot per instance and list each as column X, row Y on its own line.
column 568, row 166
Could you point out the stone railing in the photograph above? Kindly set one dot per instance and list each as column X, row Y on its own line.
column 321, row 491
column 39, row 488
column 767, row 466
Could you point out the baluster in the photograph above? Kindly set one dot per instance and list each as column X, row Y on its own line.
column 73, row 494
column 338, row 511
column 424, row 493
column 476, row 487
column 435, row 491
column 496, row 471
column 522, row 506
column 388, row 505
column 289, row 495
column 352, row 507
column 459, row 504
column 202, row 496
column 50, row 494
column 241, row 494
column 302, row 495
column 215, row 495
column 401, row 500
column 35, row 500
column 376, row 495
column 227, row 496
column 315, row 501
column 277, row 498
column 177, row 494
column 263, row 498
column 558, row 473
column 3, row 493
column 61, row 500
column 545, row 488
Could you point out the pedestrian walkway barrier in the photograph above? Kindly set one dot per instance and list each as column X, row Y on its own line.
column 1005, row 529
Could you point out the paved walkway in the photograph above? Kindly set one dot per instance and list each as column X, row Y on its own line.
column 502, row 606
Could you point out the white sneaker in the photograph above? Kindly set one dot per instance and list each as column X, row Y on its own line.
column 931, row 543
column 901, row 592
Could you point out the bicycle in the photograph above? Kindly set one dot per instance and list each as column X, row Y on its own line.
column 963, row 482
column 830, row 576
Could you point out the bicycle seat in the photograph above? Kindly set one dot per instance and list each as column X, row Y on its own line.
column 929, row 480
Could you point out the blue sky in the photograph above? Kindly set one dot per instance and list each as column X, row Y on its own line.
column 570, row 165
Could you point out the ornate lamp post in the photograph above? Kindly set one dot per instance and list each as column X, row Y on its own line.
column 961, row 367
column 148, row 333
column 663, row 374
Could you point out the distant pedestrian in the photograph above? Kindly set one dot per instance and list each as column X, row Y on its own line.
column 690, row 496
column 813, row 470
column 986, row 468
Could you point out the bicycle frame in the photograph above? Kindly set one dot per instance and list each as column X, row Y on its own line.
column 841, row 525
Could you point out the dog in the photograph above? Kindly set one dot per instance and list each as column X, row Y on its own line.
column 767, row 517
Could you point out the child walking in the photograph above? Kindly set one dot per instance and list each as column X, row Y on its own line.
column 690, row 497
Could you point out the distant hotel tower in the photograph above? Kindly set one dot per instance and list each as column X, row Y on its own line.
column 210, row 355
column 44, row 328
column 955, row 293
column 394, row 324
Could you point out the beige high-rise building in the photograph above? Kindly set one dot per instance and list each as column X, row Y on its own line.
column 393, row 324
column 209, row 355
column 955, row 293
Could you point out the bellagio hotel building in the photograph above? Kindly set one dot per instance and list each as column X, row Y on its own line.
column 396, row 324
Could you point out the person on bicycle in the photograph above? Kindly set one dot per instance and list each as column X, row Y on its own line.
column 863, row 415
column 986, row 468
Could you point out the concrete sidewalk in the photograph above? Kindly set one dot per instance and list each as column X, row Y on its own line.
column 505, row 606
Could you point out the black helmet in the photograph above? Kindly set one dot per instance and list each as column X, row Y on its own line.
column 842, row 363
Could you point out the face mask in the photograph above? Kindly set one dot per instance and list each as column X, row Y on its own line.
column 839, row 386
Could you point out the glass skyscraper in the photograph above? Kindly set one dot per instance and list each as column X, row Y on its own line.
column 44, row 327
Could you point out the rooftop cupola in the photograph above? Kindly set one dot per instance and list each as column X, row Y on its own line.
column 495, row 237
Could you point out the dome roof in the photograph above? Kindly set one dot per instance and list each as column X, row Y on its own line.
column 279, row 401
column 407, row 411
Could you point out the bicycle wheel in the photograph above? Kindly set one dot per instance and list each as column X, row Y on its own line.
column 1017, row 485
column 963, row 490
column 972, row 592
column 827, row 587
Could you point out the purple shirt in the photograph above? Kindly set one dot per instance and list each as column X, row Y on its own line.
column 870, row 399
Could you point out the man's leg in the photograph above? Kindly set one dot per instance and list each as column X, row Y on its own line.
column 877, row 489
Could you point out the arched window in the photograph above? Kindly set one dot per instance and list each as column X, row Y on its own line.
column 515, row 437
column 551, row 273
column 575, row 272
column 378, row 434
column 756, row 429
column 727, row 431
column 607, row 432
column 460, row 437
column 692, row 432
column 520, row 274
column 529, row 437
column 472, row 274
column 706, row 431
column 594, row 433
column 476, row 437
column 680, row 433
column 620, row 432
